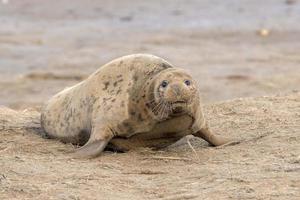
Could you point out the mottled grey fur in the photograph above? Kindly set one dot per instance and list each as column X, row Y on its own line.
column 122, row 104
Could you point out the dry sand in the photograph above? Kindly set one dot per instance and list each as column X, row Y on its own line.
column 264, row 165
column 233, row 48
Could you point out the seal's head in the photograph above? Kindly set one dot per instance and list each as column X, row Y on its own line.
column 174, row 90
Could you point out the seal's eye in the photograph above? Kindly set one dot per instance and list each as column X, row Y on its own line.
column 164, row 84
column 187, row 82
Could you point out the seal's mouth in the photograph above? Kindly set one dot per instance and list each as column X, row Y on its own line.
column 178, row 107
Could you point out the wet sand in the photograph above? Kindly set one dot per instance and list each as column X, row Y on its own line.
column 219, row 42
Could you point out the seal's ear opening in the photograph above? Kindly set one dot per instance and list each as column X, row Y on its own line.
column 90, row 150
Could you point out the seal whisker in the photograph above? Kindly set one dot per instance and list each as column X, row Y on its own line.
column 166, row 110
column 157, row 107
column 162, row 113
column 161, row 109
column 169, row 107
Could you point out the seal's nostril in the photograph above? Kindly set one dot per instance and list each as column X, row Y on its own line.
column 176, row 89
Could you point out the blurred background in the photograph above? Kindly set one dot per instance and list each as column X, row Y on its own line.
column 233, row 48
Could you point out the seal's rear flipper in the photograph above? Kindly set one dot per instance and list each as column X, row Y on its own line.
column 91, row 149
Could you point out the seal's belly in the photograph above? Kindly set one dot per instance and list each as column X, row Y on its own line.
column 162, row 135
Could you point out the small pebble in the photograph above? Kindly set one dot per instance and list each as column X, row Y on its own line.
column 264, row 32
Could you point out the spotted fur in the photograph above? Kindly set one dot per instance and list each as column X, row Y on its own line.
column 123, row 104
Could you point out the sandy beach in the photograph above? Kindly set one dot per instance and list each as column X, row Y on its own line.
column 245, row 56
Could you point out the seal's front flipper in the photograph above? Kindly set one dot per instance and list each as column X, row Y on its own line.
column 100, row 136
column 206, row 134
column 91, row 149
